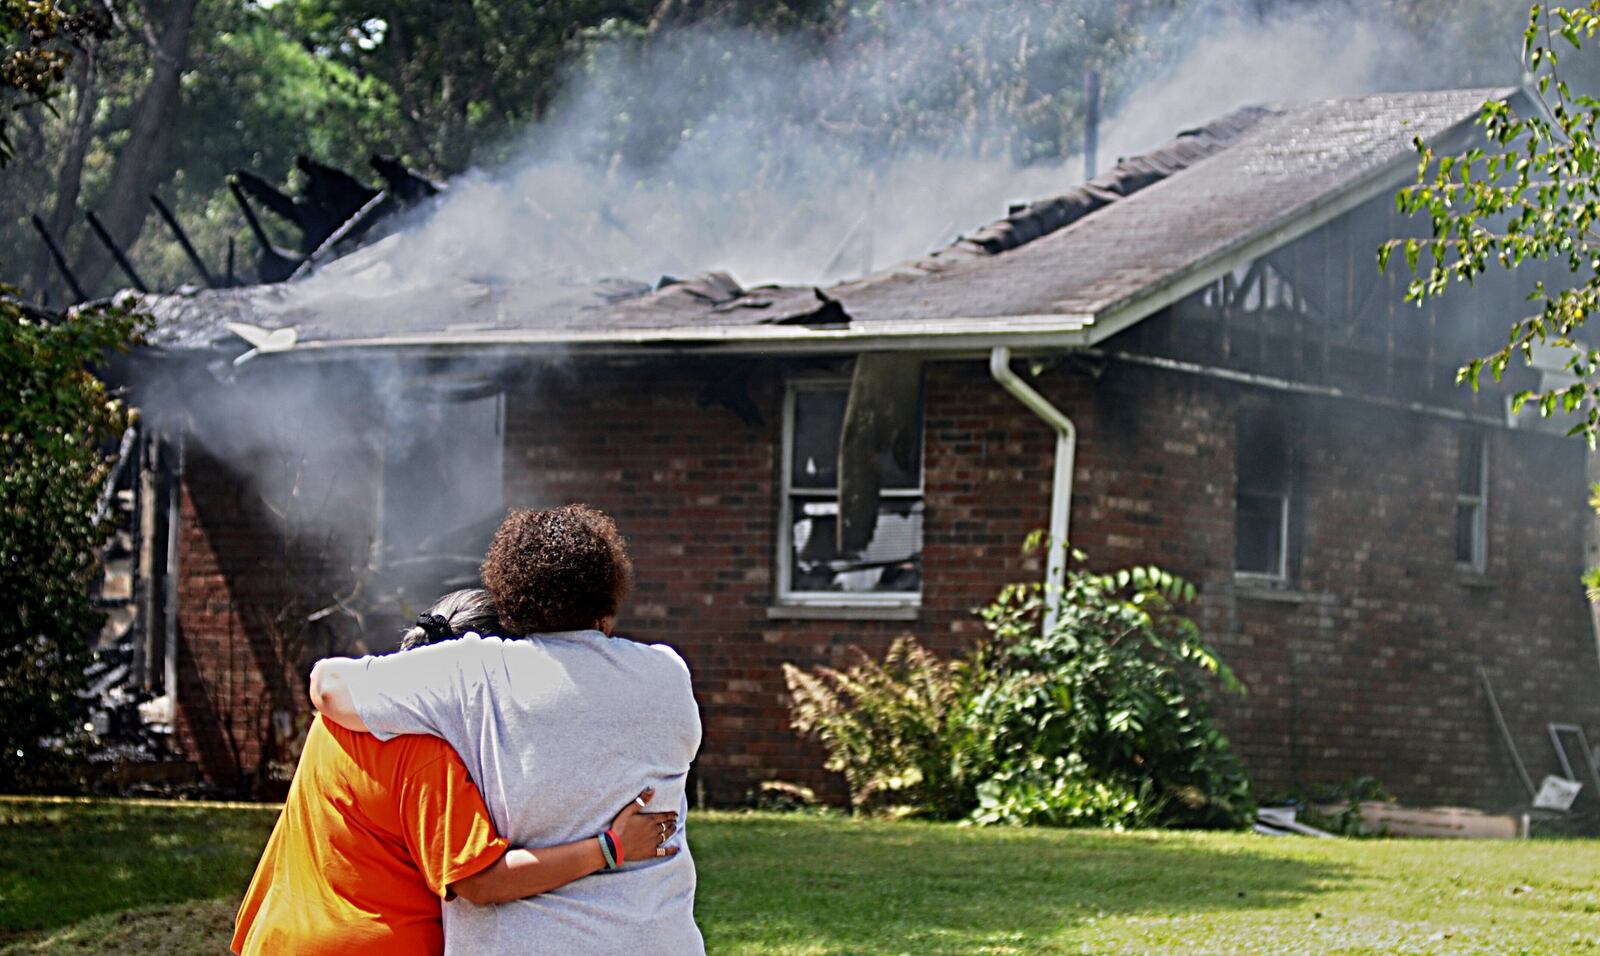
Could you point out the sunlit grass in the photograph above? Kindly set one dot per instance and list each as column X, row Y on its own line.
column 117, row 877
column 61, row 862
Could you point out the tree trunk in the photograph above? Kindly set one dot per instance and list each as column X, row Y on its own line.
column 142, row 163
column 69, row 180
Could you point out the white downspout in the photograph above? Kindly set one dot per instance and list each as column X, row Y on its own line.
column 1061, row 490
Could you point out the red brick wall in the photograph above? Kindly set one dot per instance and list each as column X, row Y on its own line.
column 229, row 677
column 1364, row 666
column 1371, row 671
column 247, row 580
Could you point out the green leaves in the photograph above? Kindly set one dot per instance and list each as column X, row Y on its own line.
column 1102, row 720
column 56, row 420
column 1532, row 197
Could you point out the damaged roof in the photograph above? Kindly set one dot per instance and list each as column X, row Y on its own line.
column 1072, row 269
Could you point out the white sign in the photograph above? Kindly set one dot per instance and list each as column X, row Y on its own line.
column 1556, row 793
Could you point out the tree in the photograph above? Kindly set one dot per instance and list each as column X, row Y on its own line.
column 1530, row 200
column 1530, row 195
column 56, row 420
column 463, row 75
column 40, row 38
column 142, row 157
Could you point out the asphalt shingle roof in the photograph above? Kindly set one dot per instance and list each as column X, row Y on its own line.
column 1274, row 173
column 1059, row 264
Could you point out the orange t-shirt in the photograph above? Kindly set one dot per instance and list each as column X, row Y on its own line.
column 369, row 841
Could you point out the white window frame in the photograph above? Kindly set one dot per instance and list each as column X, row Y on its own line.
column 1280, row 575
column 786, row 596
column 1480, row 502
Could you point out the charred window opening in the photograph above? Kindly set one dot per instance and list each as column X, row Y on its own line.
column 813, row 565
column 1472, row 501
column 1264, row 492
column 443, row 465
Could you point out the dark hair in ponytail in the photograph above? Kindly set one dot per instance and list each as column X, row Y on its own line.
column 452, row 616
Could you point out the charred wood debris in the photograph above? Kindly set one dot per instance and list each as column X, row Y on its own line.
column 127, row 700
column 333, row 212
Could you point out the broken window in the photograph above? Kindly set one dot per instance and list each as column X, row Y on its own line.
column 1472, row 500
column 813, row 566
column 1261, row 510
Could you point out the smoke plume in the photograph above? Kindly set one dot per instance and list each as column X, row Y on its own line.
column 814, row 159
column 807, row 161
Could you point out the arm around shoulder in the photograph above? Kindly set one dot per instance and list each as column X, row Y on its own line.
column 330, row 692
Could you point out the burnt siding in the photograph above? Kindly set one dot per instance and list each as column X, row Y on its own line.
column 1363, row 666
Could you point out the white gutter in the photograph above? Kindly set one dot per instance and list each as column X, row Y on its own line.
column 974, row 333
column 1061, row 489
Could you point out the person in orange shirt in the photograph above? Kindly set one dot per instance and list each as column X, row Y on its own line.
column 374, row 835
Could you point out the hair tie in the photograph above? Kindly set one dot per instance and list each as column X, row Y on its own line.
column 435, row 626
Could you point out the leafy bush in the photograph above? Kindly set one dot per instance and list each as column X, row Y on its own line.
column 902, row 732
column 1100, row 720
column 55, row 420
column 1113, row 694
column 1059, row 792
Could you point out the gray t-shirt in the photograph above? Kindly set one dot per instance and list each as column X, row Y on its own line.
column 559, row 731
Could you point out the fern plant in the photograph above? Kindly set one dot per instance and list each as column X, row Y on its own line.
column 901, row 730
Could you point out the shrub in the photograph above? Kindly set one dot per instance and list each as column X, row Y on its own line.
column 1099, row 720
column 1059, row 792
column 1114, row 694
column 55, row 421
column 901, row 732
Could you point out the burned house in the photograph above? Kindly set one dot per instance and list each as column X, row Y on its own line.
column 1191, row 360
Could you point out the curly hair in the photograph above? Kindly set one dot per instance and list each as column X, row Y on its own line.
column 558, row 570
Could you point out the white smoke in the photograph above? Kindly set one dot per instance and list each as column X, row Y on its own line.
column 1222, row 58
column 793, row 160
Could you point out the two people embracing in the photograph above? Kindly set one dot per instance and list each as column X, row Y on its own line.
column 511, row 781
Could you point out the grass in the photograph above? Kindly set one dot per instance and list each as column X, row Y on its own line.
column 120, row 877
column 65, row 862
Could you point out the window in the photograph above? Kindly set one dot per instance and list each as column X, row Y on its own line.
column 811, row 568
column 1261, row 508
column 1472, row 501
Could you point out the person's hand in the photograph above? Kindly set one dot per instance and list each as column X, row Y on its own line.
column 641, row 834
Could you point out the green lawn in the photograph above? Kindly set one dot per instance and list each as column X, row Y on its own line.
column 119, row 877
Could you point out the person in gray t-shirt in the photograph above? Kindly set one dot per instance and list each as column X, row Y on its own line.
column 557, row 729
